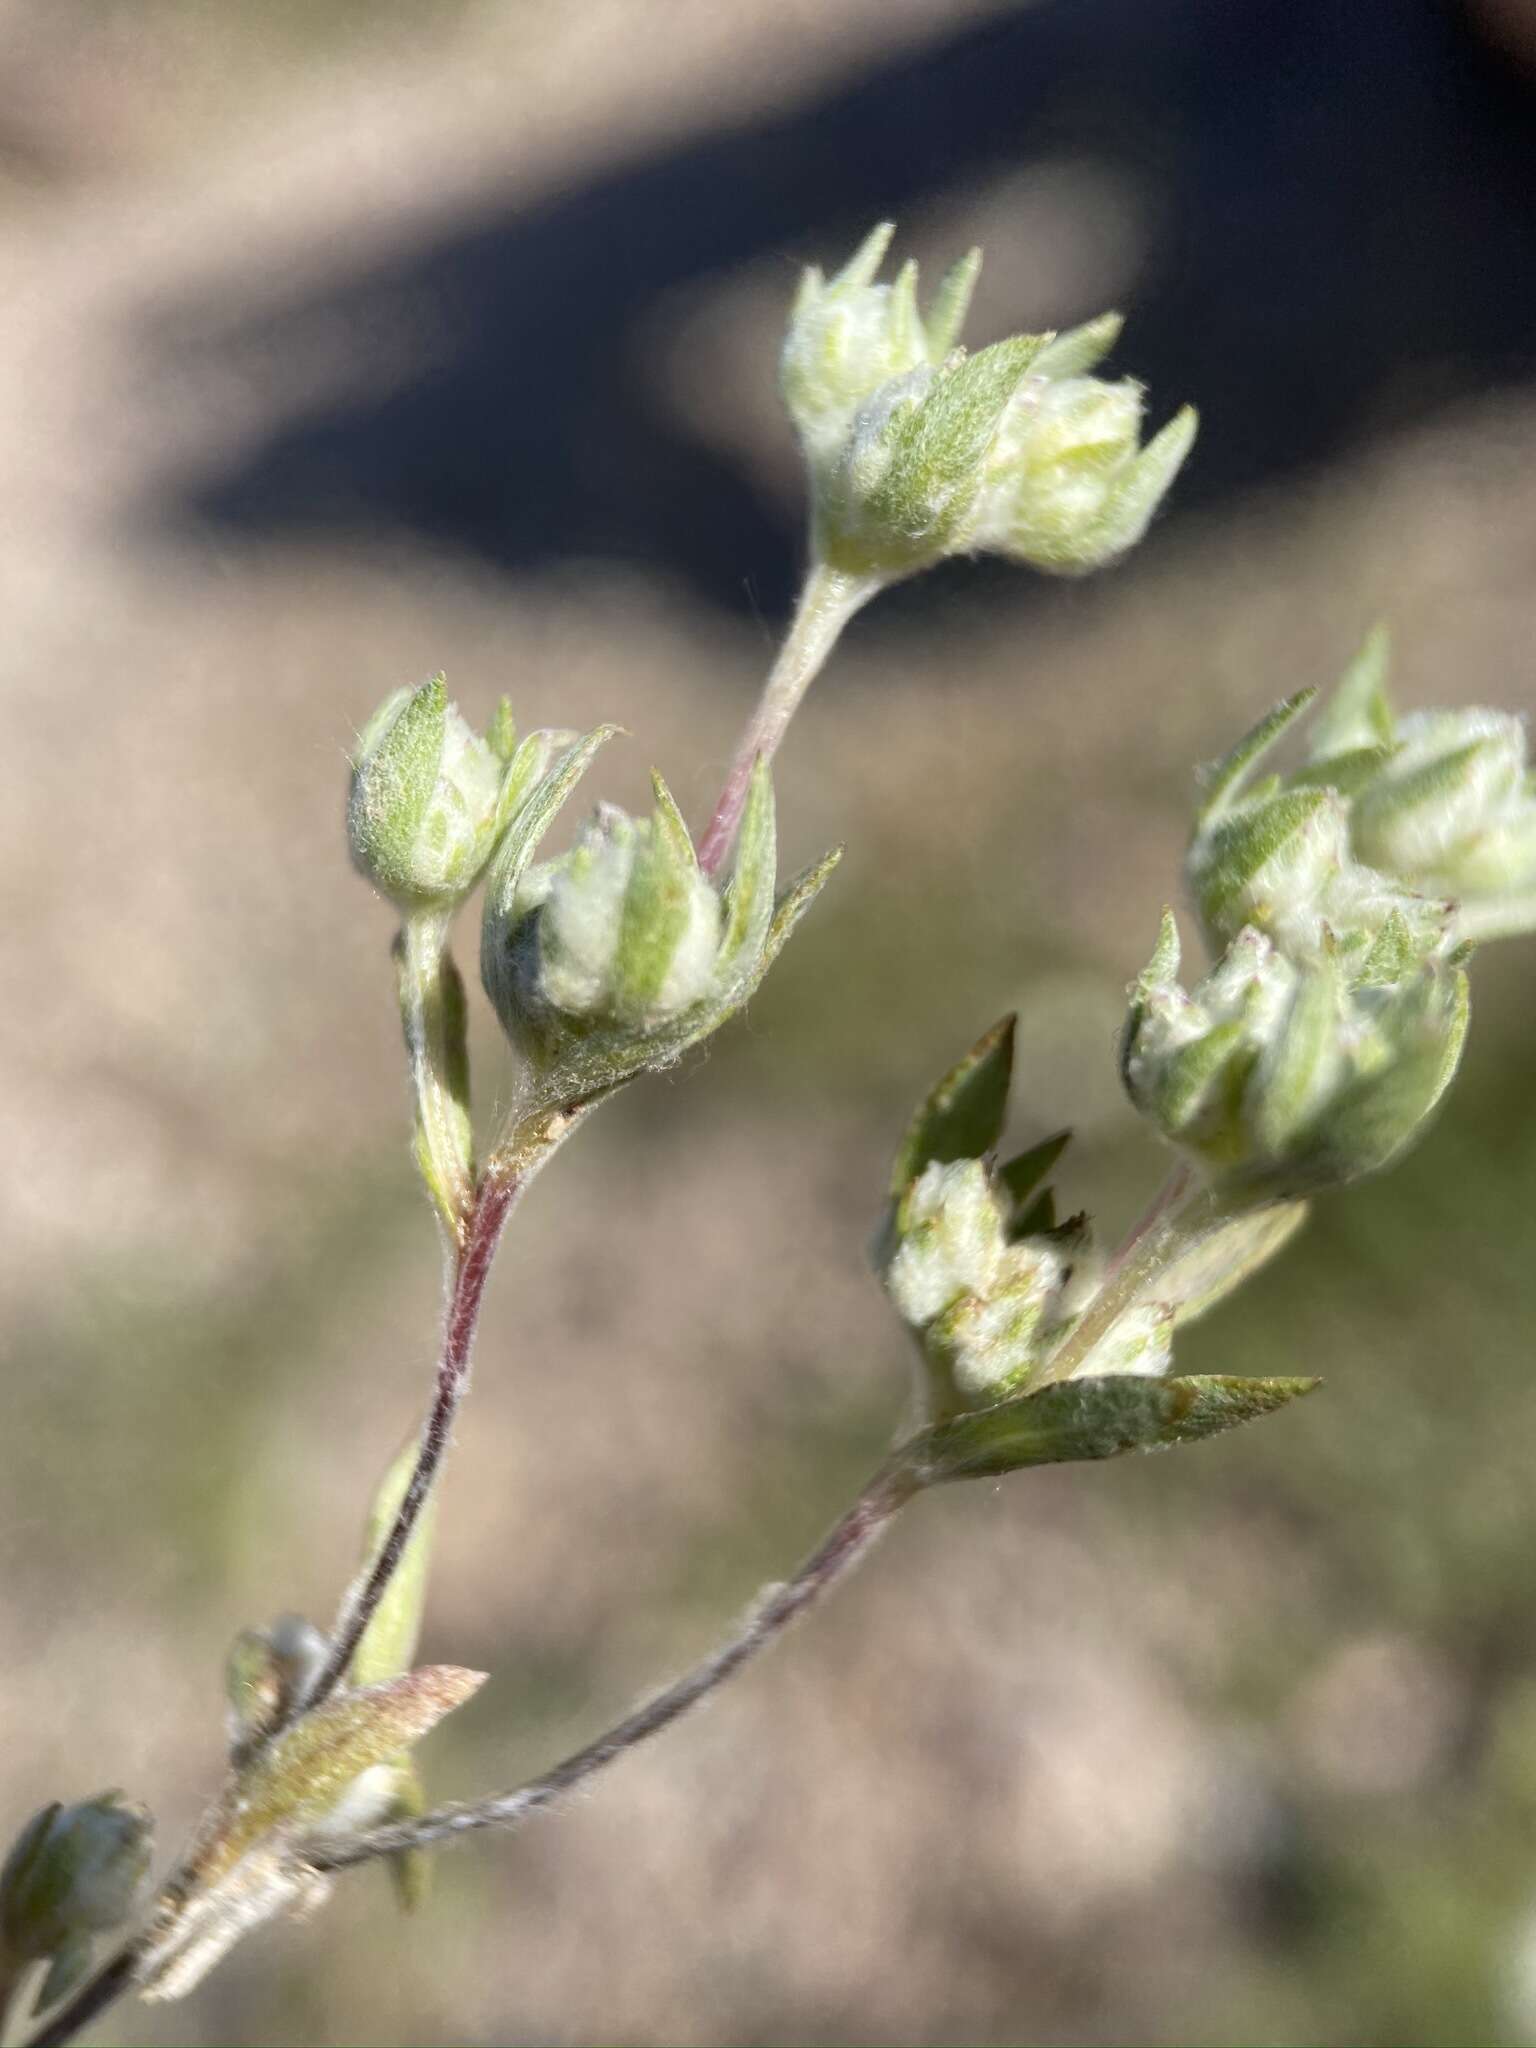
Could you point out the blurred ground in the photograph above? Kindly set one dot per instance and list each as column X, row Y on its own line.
column 345, row 344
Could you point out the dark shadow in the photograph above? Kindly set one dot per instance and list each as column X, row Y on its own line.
column 1341, row 208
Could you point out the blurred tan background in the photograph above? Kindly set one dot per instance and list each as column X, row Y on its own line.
column 341, row 343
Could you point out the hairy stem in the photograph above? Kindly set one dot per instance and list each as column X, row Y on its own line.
column 494, row 1202
column 763, row 1624
column 827, row 602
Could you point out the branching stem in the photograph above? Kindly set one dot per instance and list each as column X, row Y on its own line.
column 851, row 1537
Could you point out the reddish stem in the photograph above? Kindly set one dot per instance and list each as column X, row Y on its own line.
column 494, row 1203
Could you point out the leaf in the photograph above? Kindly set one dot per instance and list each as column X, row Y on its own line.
column 1021, row 1177
column 655, row 909
column 388, row 1644
column 1237, row 848
column 1222, row 783
column 1348, row 772
column 410, row 1870
column 1218, row 1263
column 67, row 1969
column 304, row 1774
column 951, row 303
column 792, row 906
column 1077, row 1420
column 1358, row 714
column 1079, row 349
column 963, row 1117
column 530, row 821
column 749, row 895
column 536, row 814
column 938, row 446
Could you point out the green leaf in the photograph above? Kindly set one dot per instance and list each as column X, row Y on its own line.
column 301, row 1777
column 1359, row 713
column 1348, row 772
column 1238, row 847
column 1223, row 783
column 655, row 911
column 393, row 781
column 963, row 1117
column 535, row 816
column 937, row 447
column 1220, row 1261
column 1137, row 496
column 792, row 906
column 501, row 733
column 1038, row 1220
column 529, row 822
column 1079, row 349
column 863, row 265
column 68, row 1968
column 1077, row 1420
column 388, row 1644
column 749, row 894
column 1021, row 1177
column 951, row 303
column 410, row 1870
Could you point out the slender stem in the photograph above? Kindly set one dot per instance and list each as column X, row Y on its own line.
column 762, row 1625
column 497, row 1198
column 432, row 1013
column 827, row 602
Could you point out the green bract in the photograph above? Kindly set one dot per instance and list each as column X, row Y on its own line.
column 430, row 800
column 992, row 1287
column 620, row 954
column 1431, row 816
column 1454, row 811
column 73, row 1872
column 1284, row 1074
column 1021, row 1363
column 916, row 450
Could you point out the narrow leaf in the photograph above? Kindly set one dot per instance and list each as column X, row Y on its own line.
column 301, row 1777
column 1080, row 349
column 793, row 904
column 388, row 1645
column 749, row 896
column 1220, row 1262
column 951, row 303
column 1077, row 1420
column 963, row 1118
column 938, row 446
column 535, row 816
column 1222, row 783
column 1023, row 1175
column 1359, row 713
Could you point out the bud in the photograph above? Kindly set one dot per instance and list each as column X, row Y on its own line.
column 917, row 451
column 1069, row 487
column 1453, row 811
column 74, row 1872
column 848, row 336
column 621, row 953
column 1280, row 857
column 267, row 1672
column 983, row 1306
column 1282, row 1076
column 430, row 800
